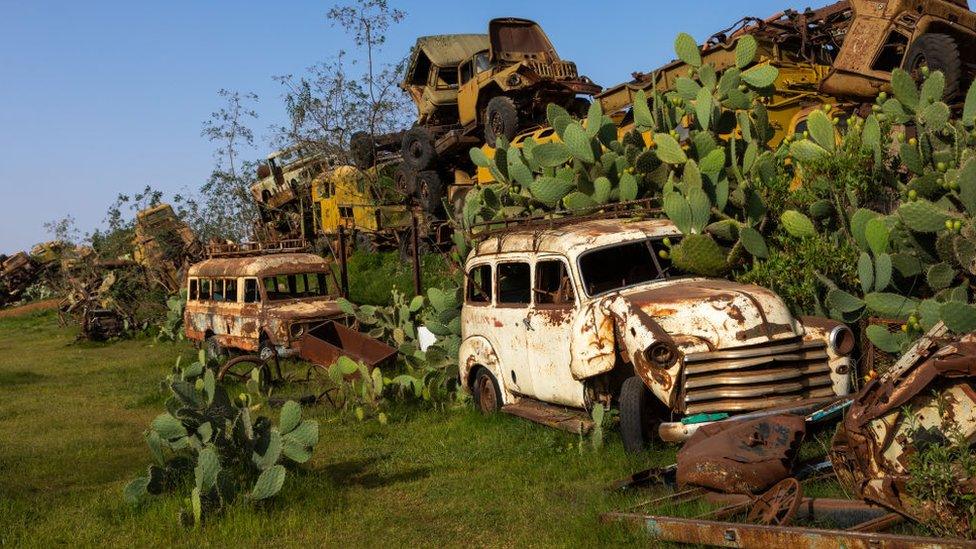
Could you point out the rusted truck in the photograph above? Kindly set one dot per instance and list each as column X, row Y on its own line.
column 563, row 315
column 283, row 193
column 17, row 273
column 261, row 304
column 165, row 246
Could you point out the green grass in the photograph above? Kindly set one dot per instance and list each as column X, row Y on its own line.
column 71, row 422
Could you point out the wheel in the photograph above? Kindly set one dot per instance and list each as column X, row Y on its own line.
column 501, row 120
column 363, row 150
column 430, row 192
column 778, row 505
column 215, row 350
column 938, row 52
column 241, row 369
column 417, row 148
column 637, row 421
column 487, row 395
column 404, row 180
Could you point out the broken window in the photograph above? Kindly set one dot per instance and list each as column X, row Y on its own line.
column 204, row 288
column 295, row 286
column 447, row 78
column 892, row 53
column 514, row 287
column 230, row 290
column 193, row 289
column 251, row 294
column 624, row 265
column 553, row 285
column 479, row 284
column 345, row 212
column 217, row 289
column 466, row 72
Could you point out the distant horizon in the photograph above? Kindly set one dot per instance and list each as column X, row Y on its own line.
column 106, row 99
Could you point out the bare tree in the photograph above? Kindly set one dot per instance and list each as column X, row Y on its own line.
column 228, row 126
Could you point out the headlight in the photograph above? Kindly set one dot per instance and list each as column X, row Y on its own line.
column 662, row 354
column 296, row 330
column 841, row 340
column 514, row 80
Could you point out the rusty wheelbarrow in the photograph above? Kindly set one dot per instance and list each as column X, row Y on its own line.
column 325, row 343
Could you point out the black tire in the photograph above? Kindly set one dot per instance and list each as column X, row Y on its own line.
column 637, row 421
column 404, row 180
column 429, row 192
column 417, row 148
column 501, row 120
column 939, row 52
column 487, row 395
column 363, row 150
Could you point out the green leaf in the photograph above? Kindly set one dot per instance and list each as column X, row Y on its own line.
column 168, row 427
column 578, row 201
column 761, row 76
column 935, row 116
column 601, row 190
column 884, row 340
column 753, row 242
column 859, row 222
column 890, row 305
column 713, row 163
column 967, row 184
column 551, row 155
column 687, row 50
column 479, row 157
column 940, row 276
column 876, row 235
column 594, row 119
column 882, row 272
column 806, row 151
column 969, row 110
column 306, row 434
column 905, row 89
column 642, row 113
column 550, row 190
column 135, row 492
column 933, row 89
column 291, row 416
column 208, row 466
column 959, row 317
column 821, row 130
column 678, row 210
column 669, row 150
column 269, row 483
column 628, row 187
column 701, row 208
column 699, row 254
column 703, row 108
column 922, row 216
column 209, row 385
column 745, row 51
column 797, row 224
column 578, row 142
column 844, row 302
column 865, row 272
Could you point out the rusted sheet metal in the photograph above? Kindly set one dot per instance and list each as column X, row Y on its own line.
column 742, row 457
column 324, row 344
column 842, row 513
column 927, row 395
column 677, row 431
column 564, row 419
column 265, row 265
column 732, row 534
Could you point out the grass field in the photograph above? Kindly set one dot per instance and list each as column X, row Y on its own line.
column 71, row 422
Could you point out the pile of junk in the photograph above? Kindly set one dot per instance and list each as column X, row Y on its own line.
column 901, row 461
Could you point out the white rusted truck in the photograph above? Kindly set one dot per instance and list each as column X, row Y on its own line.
column 560, row 317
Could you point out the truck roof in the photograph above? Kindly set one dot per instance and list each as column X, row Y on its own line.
column 450, row 50
column 258, row 266
column 574, row 239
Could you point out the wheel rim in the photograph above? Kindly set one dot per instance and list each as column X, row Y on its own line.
column 415, row 150
column 240, row 370
column 486, row 395
column 266, row 353
column 497, row 124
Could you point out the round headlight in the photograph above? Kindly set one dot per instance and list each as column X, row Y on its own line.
column 297, row 330
column 841, row 340
column 662, row 354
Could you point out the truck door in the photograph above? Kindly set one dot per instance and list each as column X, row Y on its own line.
column 551, row 320
column 512, row 324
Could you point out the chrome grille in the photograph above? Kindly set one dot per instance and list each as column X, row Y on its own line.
column 758, row 377
column 558, row 69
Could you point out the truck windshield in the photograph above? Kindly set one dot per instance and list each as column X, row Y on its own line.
column 295, row 286
column 627, row 264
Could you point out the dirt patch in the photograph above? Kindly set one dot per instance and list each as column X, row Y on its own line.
column 43, row 305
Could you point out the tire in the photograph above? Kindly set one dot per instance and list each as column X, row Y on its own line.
column 939, row 52
column 637, row 421
column 404, row 180
column 417, row 148
column 501, row 120
column 362, row 150
column 429, row 192
column 487, row 395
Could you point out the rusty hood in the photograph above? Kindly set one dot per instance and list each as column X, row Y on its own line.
column 715, row 313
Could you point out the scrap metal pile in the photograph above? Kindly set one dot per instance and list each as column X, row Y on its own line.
column 747, row 475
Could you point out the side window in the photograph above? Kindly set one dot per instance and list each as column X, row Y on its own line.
column 514, row 287
column 553, row 285
column 479, row 284
column 466, row 72
column 194, row 286
column 217, row 289
column 230, row 290
column 251, row 294
column 892, row 52
column 204, row 289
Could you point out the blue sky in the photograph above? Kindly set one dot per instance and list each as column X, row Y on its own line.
column 103, row 97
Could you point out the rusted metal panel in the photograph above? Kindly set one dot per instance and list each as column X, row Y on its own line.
column 728, row 534
column 266, row 265
column 571, row 421
column 929, row 392
column 741, row 456
column 324, row 344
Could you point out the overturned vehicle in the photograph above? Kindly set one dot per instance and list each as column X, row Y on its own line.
column 590, row 311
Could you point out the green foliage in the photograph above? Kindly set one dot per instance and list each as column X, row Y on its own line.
column 221, row 441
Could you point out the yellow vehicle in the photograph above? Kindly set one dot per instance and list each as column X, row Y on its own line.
column 346, row 197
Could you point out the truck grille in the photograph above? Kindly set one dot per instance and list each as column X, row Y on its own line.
column 558, row 69
column 753, row 378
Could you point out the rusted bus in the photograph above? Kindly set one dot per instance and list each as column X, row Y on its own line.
column 566, row 315
column 259, row 304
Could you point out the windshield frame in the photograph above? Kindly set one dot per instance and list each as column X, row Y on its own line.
column 648, row 241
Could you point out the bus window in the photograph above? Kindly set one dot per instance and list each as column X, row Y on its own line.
column 251, row 294
column 230, row 290
column 193, row 290
column 204, row 289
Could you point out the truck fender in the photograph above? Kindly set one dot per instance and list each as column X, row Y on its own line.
column 475, row 352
